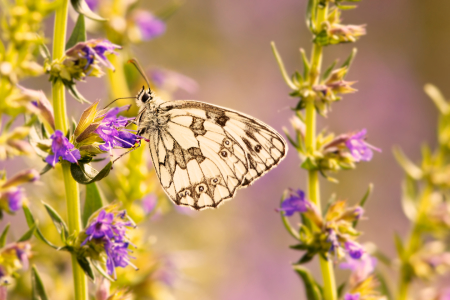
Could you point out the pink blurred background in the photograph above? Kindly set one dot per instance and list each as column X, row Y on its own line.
column 240, row 251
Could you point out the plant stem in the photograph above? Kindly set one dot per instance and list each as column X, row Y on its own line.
column 71, row 187
column 412, row 245
column 326, row 266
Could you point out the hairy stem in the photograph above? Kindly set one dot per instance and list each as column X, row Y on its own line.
column 326, row 266
column 71, row 187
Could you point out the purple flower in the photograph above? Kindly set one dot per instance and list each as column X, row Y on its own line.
column 354, row 249
column 14, row 196
column 110, row 229
column 111, row 133
column 61, row 147
column 349, row 296
column 361, row 268
column 332, row 238
column 149, row 26
column 295, row 203
column 101, row 227
column 359, row 149
column 102, row 47
column 93, row 4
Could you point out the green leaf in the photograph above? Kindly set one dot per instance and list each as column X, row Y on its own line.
column 38, row 290
column 399, row 245
column 307, row 257
column 306, row 65
column 78, row 33
column 384, row 287
column 348, row 62
column 71, row 87
column 57, row 221
column 364, row 199
column 92, row 203
column 81, row 7
column 47, row 168
column 435, row 94
column 31, row 222
column 85, row 174
column 86, row 266
column 408, row 200
column 3, row 236
column 329, row 70
column 27, row 234
column 410, row 168
column 309, row 13
column 309, row 164
column 100, row 269
column 311, row 287
column 282, row 68
column 340, row 289
column 299, row 247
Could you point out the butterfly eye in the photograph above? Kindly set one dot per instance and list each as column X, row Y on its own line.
column 258, row 148
column 145, row 97
column 224, row 153
column 187, row 193
column 181, row 194
column 214, row 181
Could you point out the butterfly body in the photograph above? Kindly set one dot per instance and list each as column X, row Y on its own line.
column 203, row 153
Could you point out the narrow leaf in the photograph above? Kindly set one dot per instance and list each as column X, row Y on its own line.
column 31, row 222
column 348, row 62
column 85, row 174
column 100, row 269
column 3, row 236
column 399, row 246
column 364, row 199
column 408, row 199
column 311, row 288
column 329, row 70
column 282, row 68
column 384, row 287
column 57, row 221
column 27, row 234
column 38, row 290
column 306, row 65
column 47, row 168
column 340, row 289
column 76, row 94
column 78, row 33
column 435, row 94
column 92, row 203
column 410, row 168
column 81, row 7
column 86, row 266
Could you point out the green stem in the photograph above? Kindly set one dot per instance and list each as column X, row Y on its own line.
column 326, row 266
column 71, row 187
column 412, row 245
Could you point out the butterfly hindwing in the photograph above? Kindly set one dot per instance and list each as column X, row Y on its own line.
column 197, row 167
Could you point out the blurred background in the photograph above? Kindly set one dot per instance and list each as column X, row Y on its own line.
column 240, row 251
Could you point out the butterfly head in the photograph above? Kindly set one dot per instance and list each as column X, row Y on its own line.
column 144, row 96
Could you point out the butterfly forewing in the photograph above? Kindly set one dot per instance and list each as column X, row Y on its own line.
column 204, row 153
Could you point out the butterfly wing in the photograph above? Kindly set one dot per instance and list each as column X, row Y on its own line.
column 206, row 152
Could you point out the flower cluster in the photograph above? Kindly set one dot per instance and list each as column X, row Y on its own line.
column 12, row 194
column 338, row 33
column 83, row 59
column 108, row 229
column 62, row 148
column 337, row 233
column 13, row 257
column 101, row 131
column 333, row 153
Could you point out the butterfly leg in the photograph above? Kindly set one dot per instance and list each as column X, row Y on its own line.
column 125, row 153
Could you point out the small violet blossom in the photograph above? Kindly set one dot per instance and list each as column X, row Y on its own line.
column 111, row 133
column 15, row 198
column 149, row 203
column 62, row 148
column 110, row 229
column 361, row 268
column 354, row 249
column 149, row 26
column 356, row 296
column 360, row 149
column 295, row 203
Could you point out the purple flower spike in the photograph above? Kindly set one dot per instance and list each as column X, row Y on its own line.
column 102, row 47
column 359, row 149
column 61, row 147
column 356, row 296
column 361, row 268
column 93, row 4
column 295, row 203
column 15, row 197
column 354, row 249
column 149, row 26
column 101, row 227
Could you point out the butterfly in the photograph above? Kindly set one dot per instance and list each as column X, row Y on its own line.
column 204, row 153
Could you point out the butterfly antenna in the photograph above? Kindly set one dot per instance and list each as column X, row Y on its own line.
column 140, row 70
column 118, row 99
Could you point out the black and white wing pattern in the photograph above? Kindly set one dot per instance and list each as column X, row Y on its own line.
column 204, row 153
